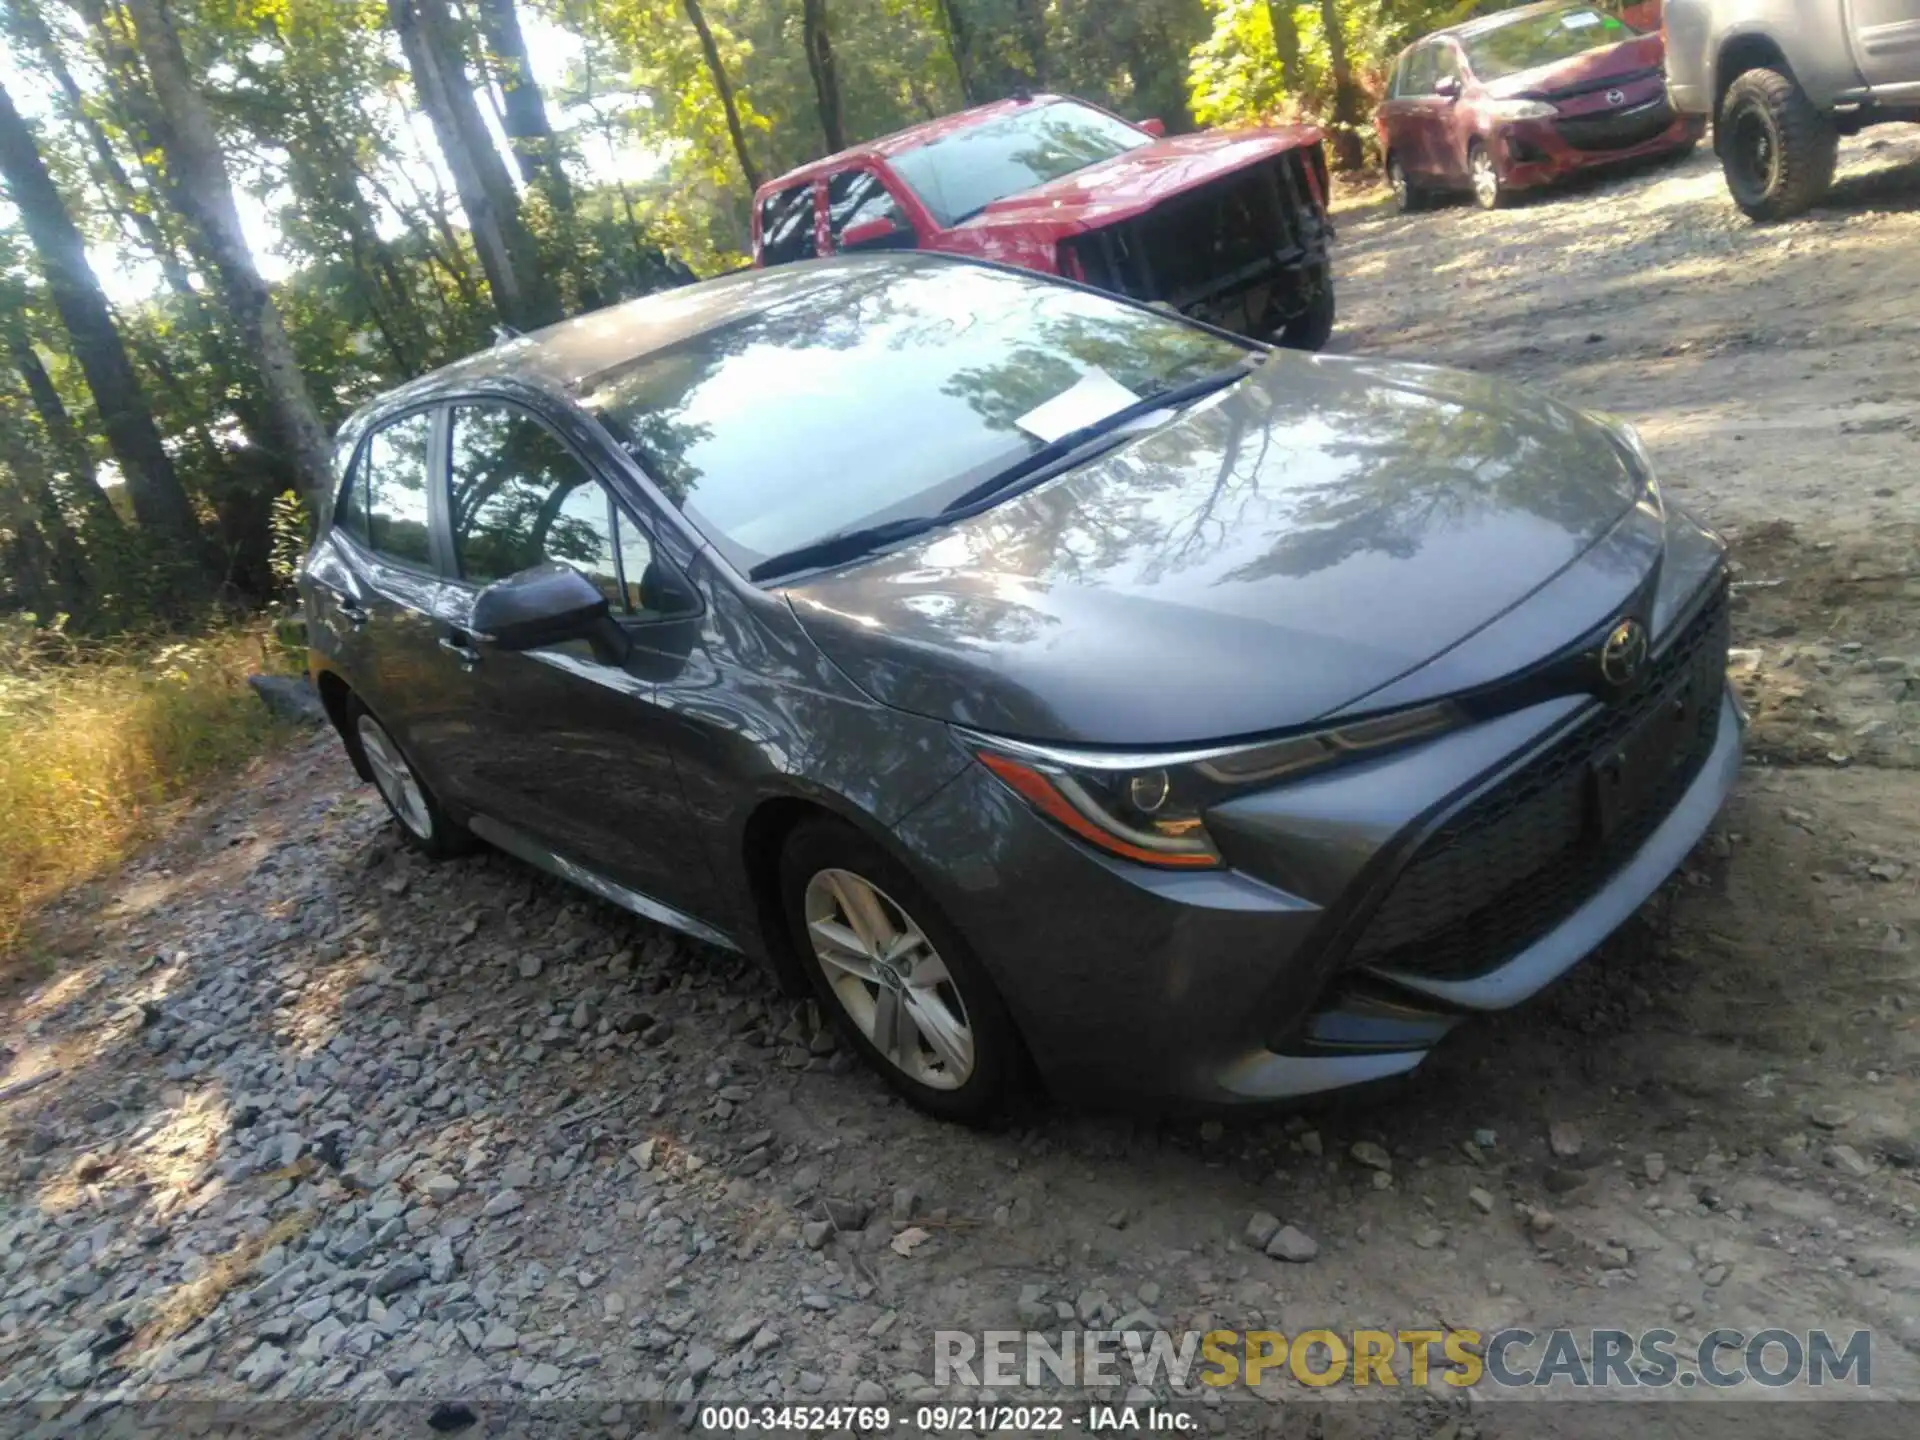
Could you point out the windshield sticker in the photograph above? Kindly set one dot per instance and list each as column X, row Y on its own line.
column 1087, row 401
column 1579, row 20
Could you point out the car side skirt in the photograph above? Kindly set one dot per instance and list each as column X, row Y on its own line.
column 524, row 847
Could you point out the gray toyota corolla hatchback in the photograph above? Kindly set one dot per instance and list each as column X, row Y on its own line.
column 1041, row 678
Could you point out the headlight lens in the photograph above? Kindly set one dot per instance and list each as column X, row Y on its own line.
column 1149, row 807
column 1635, row 449
column 1521, row 110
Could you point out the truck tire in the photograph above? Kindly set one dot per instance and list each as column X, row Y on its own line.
column 1313, row 326
column 1776, row 148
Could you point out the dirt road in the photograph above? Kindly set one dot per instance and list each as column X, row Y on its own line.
column 332, row 1122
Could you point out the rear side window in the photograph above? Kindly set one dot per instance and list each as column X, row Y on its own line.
column 853, row 198
column 786, row 225
column 394, row 472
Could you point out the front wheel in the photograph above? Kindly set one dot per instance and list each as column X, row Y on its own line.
column 1406, row 196
column 1776, row 149
column 1313, row 326
column 900, row 984
column 1489, row 192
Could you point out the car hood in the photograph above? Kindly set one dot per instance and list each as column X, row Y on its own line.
column 1582, row 72
column 1277, row 552
column 1141, row 178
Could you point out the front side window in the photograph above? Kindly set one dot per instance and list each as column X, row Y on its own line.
column 855, row 197
column 1535, row 40
column 1422, row 70
column 874, row 394
column 395, row 471
column 519, row 497
column 786, row 225
column 960, row 175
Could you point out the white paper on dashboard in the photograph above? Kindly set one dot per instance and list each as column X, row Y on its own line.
column 1579, row 20
column 1090, row 399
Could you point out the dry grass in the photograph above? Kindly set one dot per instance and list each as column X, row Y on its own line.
column 95, row 742
column 189, row 1304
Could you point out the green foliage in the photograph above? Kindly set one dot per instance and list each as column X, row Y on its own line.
column 292, row 532
column 373, row 266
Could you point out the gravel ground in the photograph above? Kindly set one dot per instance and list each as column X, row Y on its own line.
column 318, row 1119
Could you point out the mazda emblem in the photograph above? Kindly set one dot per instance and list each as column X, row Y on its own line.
column 1623, row 655
column 1616, row 97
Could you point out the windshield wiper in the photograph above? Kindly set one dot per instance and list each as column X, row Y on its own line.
column 851, row 544
column 1031, row 466
column 847, row 545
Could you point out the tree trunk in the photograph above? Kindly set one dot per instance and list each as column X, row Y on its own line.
column 83, row 482
column 960, row 47
column 698, row 18
column 522, row 293
column 1286, row 42
column 1349, row 105
column 826, row 85
column 202, row 191
column 159, row 500
column 1033, row 37
column 525, row 120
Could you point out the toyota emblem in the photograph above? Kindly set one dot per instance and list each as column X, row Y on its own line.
column 1616, row 97
column 1623, row 655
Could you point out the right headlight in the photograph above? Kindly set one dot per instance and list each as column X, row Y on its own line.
column 1149, row 806
column 1519, row 110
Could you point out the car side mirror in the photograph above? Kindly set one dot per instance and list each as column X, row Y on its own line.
column 546, row 605
column 1447, row 87
column 1155, row 127
column 880, row 234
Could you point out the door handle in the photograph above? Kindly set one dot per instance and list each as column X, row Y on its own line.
column 465, row 654
column 353, row 613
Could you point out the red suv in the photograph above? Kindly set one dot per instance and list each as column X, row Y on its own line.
column 1228, row 227
column 1523, row 98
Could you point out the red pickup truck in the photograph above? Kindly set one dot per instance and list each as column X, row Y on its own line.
column 1229, row 227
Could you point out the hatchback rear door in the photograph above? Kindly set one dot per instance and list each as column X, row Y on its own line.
column 382, row 591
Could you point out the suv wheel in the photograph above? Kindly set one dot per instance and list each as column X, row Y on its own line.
column 1776, row 148
column 413, row 805
column 1406, row 197
column 902, row 987
column 1313, row 326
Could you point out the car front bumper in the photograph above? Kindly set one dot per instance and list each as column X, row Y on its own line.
column 1532, row 153
column 1221, row 987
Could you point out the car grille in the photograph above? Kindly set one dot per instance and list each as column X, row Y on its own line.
column 1211, row 242
column 1519, row 859
column 1617, row 129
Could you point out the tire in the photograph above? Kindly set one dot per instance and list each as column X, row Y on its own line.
column 1313, row 326
column 1407, row 197
column 1776, row 149
column 417, row 813
column 832, row 876
column 1489, row 192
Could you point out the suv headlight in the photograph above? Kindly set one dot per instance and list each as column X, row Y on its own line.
column 1149, row 807
column 1519, row 110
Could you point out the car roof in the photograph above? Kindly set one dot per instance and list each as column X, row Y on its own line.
column 567, row 358
column 912, row 138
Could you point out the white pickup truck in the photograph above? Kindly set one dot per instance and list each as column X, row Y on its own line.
column 1782, row 80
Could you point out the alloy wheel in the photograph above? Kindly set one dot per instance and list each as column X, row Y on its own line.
column 394, row 777
column 889, row 979
column 1486, row 180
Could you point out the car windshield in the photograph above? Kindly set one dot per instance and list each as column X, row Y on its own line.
column 1535, row 40
column 882, row 392
column 962, row 174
